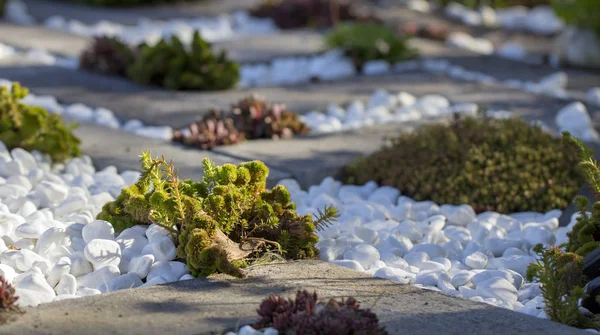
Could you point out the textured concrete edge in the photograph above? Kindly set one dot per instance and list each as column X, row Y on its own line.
column 220, row 303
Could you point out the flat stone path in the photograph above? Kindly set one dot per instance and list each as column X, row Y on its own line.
column 70, row 9
column 220, row 303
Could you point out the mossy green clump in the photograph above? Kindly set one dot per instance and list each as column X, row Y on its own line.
column 33, row 128
column 364, row 42
column 221, row 221
column 173, row 65
column 501, row 165
column 584, row 14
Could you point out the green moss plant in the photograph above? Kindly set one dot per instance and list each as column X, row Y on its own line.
column 584, row 14
column 363, row 42
column 502, row 165
column 33, row 128
column 173, row 65
column 220, row 222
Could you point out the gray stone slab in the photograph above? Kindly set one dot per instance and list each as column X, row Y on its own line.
column 155, row 106
column 250, row 49
column 219, row 303
column 43, row 9
column 113, row 147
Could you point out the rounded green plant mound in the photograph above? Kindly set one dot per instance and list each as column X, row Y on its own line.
column 494, row 165
column 364, row 42
column 173, row 65
column 223, row 221
column 33, row 128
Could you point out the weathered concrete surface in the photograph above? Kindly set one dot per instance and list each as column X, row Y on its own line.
column 219, row 304
column 155, row 106
column 113, row 147
column 43, row 9
column 251, row 49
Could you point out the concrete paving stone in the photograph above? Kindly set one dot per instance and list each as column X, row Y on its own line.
column 69, row 9
column 252, row 49
column 219, row 303
column 114, row 147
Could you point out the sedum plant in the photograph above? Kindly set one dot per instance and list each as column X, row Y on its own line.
column 501, row 165
column 33, row 128
column 292, row 14
column 251, row 118
column 8, row 299
column 220, row 222
column 107, row 55
column 212, row 130
column 364, row 42
column 306, row 315
column 173, row 65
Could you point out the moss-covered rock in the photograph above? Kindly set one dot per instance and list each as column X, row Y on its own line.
column 364, row 42
column 221, row 221
column 492, row 164
column 175, row 66
column 33, row 128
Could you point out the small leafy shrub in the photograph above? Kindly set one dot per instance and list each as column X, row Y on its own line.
column 291, row 14
column 584, row 14
column 125, row 3
column 363, row 42
column 585, row 236
column 8, row 299
column 305, row 315
column 561, row 272
column 221, row 221
column 494, row 165
column 33, row 128
column 2, row 6
column 561, row 276
column 107, row 55
column 251, row 118
column 173, row 65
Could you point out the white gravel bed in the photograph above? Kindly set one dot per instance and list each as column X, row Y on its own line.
column 99, row 116
column 444, row 248
column 51, row 246
column 212, row 29
column 540, row 20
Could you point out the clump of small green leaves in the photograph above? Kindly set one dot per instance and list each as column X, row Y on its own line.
column 219, row 222
column 363, row 42
column 172, row 64
column 33, row 128
column 305, row 315
column 501, row 165
column 585, row 235
column 561, row 276
column 107, row 55
column 584, row 14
